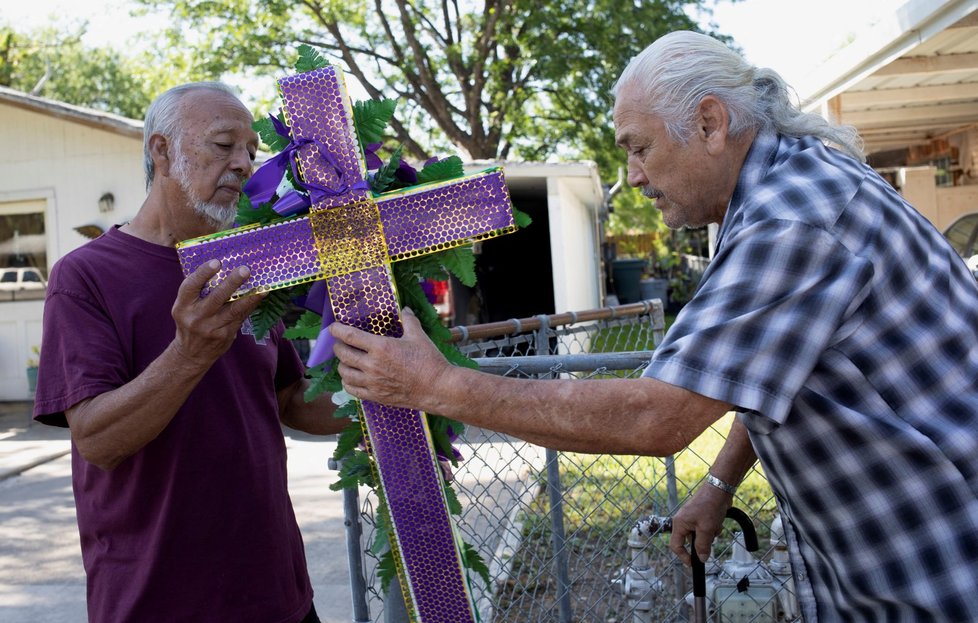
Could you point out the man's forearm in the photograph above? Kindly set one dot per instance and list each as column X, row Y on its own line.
column 315, row 417
column 620, row 416
column 736, row 457
column 112, row 426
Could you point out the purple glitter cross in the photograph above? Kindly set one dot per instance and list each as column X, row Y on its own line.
column 350, row 239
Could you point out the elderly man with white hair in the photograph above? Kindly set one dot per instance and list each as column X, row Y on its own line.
column 834, row 319
column 175, row 408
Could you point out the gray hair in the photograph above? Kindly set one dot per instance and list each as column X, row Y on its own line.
column 679, row 69
column 163, row 117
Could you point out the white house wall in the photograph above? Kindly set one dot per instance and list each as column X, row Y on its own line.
column 68, row 166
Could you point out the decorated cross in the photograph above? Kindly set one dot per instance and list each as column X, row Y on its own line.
column 349, row 239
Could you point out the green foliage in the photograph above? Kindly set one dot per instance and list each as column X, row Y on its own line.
column 248, row 215
column 53, row 62
column 266, row 130
column 451, row 500
column 323, row 378
column 271, row 310
column 348, row 440
column 354, row 471
column 442, row 430
column 371, row 118
column 499, row 79
column 412, row 295
column 384, row 178
column 306, row 327
column 440, row 170
column 522, row 219
column 473, row 560
column 309, row 59
column 460, row 261
column 386, row 571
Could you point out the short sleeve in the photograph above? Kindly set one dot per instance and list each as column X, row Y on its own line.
column 81, row 356
column 772, row 301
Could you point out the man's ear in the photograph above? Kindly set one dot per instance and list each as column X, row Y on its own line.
column 159, row 148
column 712, row 124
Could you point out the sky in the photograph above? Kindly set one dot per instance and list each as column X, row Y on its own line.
column 790, row 36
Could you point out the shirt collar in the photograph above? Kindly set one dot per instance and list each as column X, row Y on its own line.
column 759, row 158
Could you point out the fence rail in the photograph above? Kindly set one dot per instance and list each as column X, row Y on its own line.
column 554, row 527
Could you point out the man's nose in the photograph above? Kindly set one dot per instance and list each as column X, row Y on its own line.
column 241, row 162
column 636, row 177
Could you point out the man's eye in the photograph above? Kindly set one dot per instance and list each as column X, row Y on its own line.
column 224, row 145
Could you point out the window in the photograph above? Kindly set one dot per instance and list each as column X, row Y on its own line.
column 23, row 250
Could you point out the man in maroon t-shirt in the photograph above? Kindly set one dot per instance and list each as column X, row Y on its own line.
column 175, row 409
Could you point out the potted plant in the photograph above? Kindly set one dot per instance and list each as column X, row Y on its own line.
column 32, row 368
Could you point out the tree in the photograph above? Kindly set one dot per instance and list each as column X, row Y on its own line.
column 54, row 63
column 492, row 78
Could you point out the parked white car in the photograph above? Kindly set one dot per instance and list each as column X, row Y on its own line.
column 21, row 279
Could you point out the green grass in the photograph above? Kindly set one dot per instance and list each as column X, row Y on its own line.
column 603, row 492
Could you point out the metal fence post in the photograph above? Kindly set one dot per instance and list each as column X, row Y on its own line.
column 354, row 553
column 395, row 611
column 542, row 347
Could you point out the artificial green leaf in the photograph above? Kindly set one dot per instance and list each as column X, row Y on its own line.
column 441, row 440
column 454, row 506
column 460, row 261
column 371, row 118
column 349, row 409
column 522, row 219
column 427, row 266
column 272, row 139
column 382, row 529
column 384, row 176
column 249, row 215
column 309, row 59
column 354, row 471
column 473, row 561
column 307, row 327
column 323, row 378
column 269, row 312
column 348, row 440
column 386, row 571
column 446, row 169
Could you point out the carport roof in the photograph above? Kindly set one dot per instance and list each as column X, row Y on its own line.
column 909, row 79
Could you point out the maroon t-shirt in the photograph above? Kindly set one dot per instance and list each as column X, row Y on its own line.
column 197, row 525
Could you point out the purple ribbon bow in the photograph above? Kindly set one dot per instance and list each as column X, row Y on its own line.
column 265, row 181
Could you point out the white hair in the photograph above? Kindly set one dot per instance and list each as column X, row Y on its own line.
column 681, row 68
column 163, row 117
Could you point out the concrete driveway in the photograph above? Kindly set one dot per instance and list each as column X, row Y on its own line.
column 41, row 574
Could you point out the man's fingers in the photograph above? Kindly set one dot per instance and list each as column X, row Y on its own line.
column 412, row 326
column 242, row 308
column 703, row 547
column 351, row 336
column 195, row 282
column 677, row 543
column 222, row 293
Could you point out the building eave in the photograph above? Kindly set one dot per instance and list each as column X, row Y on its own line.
column 97, row 119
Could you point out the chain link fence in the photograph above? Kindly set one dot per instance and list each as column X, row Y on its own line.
column 568, row 537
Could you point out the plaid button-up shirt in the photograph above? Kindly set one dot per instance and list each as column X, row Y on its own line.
column 845, row 329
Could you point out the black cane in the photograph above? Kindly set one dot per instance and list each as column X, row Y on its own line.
column 699, row 566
